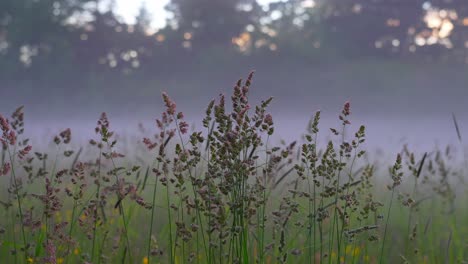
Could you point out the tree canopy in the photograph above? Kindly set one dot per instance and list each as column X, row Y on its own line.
column 45, row 37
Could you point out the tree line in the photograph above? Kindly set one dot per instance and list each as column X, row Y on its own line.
column 69, row 39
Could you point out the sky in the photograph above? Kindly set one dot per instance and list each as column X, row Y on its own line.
column 128, row 9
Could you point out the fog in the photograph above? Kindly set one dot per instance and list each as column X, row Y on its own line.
column 411, row 106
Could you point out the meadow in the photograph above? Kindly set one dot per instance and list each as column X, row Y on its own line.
column 228, row 194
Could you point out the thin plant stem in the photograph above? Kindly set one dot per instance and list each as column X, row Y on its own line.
column 386, row 226
column 153, row 209
column 18, row 199
column 98, row 191
column 171, row 258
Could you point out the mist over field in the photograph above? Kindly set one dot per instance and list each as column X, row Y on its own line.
column 399, row 103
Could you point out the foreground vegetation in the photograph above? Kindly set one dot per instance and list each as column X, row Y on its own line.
column 228, row 195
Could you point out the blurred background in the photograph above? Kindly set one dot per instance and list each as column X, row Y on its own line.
column 401, row 63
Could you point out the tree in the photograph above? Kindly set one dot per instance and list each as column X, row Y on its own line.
column 36, row 31
column 143, row 20
column 204, row 23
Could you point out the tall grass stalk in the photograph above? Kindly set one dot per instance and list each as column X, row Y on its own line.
column 169, row 218
column 121, row 207
column 261, row 219
column 385, row 228
column 19, row 201
column 335, row 207
column 195, row 194
column 396, row 177
column 98, row 196
column 153, row 209
column 357, row 153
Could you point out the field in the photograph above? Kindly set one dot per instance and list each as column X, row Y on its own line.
column 227, row 194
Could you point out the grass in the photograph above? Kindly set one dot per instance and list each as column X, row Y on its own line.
column 226, row 194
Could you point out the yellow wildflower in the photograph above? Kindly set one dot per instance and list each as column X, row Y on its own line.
column 356, row 251
column 58, row 218
column 68, row 215
column 353, row 251
column 349, row 248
